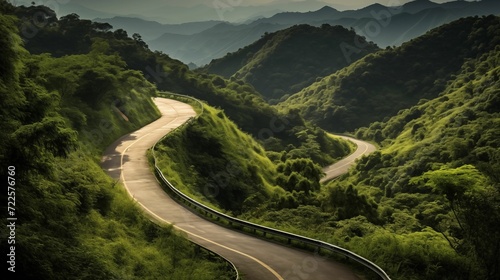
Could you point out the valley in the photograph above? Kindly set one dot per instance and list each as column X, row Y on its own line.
column 382, row 146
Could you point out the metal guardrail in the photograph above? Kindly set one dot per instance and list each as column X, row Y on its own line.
column 210, row 252
column 166, row 93
column 265, row 230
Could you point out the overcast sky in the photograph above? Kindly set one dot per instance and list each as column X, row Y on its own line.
column 121, row 5
column 138, row 3
column 197, row 10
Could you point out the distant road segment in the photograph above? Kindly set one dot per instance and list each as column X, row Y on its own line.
column 342, row 166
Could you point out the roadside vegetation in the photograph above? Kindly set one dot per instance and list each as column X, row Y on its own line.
column 216, row 163
column 425, row 206
column 73, row 221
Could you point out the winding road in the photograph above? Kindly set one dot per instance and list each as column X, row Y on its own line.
column 256, row 259
column 343, row 165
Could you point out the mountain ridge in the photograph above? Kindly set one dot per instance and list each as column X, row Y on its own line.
column 285, row 61
column 334, row 96
column 378, row 23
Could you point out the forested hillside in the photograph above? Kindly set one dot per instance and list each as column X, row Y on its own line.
column 439, row 168
column 215, row 162
column 73, row 221
column 71, row 35
column 433, row 196
column 284, row 62
column 427, row 205
column 381, row 84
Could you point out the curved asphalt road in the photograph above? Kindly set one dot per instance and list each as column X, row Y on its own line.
column 342, row 166
column 255, row 259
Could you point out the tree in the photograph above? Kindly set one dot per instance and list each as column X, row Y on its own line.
column 476, row 209
column 138, row 39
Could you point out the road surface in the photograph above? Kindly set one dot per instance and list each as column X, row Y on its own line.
column 256, row 259
column 342, row 166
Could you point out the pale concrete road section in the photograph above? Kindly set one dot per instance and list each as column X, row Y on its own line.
column 343, row 165
column 255, row 259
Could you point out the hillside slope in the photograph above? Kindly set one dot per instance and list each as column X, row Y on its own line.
column 427, row 204
column 73, row 221
column 202, row 47
column 381, row 84
column 439, row 165
column 215, row 162
column 286, row 61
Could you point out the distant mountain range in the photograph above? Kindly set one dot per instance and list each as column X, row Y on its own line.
column 180, row 11
column 386, row 26
column 150, row 30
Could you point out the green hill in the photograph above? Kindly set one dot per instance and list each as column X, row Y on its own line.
column 426, row 205
column 73, row 221
column 213, row 161
column 381, row 84
column 438, row 167
column 423, row 207
column 288, row 60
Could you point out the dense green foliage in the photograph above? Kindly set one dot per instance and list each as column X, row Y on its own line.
column 427, row 205
column 379, row 85
column 215, row 162
column 284, row 62
column 73, row 221
column 71, row 35
column 448, row 145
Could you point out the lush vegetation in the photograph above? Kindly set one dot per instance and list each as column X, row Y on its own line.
column 426, row 206
column 73, row 221
column 284, row 62
column 71, row 35
column 379, row 85
column 218, row 164
column 443, row 155
column 432, row 209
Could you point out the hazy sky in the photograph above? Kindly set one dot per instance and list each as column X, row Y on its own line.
column 139, row 3
column 120, row 5
column 197, row 10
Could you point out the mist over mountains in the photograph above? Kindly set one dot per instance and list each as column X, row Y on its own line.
column 200, row 42
column 198, row 31
column 176, row 12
